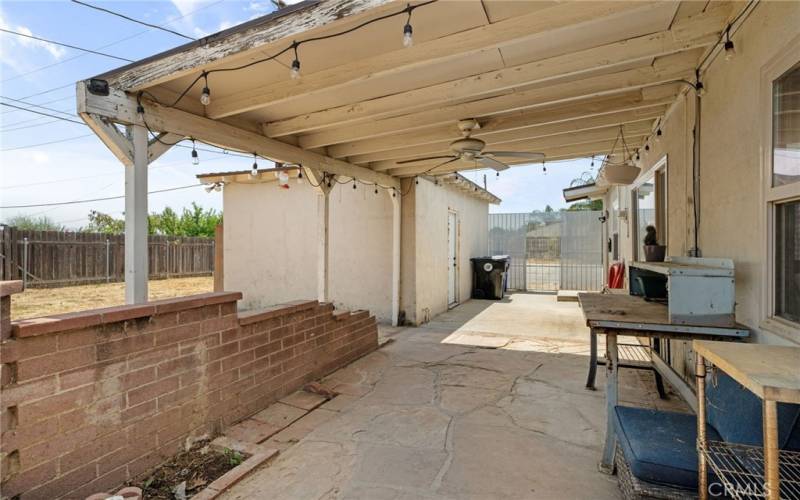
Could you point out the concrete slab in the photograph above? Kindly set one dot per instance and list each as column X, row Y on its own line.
column 279, row 414
column 435, row 415
column 567, row 296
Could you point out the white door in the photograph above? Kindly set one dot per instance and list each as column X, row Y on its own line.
column 452, row 257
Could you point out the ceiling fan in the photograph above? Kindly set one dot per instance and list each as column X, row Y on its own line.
column 471, row 149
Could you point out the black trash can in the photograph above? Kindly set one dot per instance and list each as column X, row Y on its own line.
column 489, row 277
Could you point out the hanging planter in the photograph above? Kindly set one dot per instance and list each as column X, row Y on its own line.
column 620, row 174
column 624, row 172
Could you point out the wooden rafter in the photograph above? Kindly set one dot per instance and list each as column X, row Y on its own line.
column 465, row 42
column 688, row 34
column 596, row 86
column 119, row 144
column 534, row 123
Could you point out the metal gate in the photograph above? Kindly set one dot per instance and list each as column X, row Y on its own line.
column 507, row 237
column 550, row 250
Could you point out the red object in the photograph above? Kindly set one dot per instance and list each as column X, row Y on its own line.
column 616, row 275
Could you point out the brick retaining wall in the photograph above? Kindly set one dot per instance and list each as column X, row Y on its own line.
column 92, row 399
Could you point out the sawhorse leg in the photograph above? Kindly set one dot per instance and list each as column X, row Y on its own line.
column 592, row 361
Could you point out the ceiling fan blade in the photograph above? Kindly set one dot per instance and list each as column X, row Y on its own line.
column 427, row 158
column 486, row 161
column 516, row 154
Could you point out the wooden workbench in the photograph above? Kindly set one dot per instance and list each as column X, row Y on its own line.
column 613, row 315
column 773, row 374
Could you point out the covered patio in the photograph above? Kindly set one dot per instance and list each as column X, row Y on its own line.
column 482, row 400
column 485, row 401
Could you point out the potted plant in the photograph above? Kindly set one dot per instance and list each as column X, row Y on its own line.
column 653, row 252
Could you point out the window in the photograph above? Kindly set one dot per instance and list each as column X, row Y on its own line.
column 786, row 128
column 787, row 261
column 784, row 196
column 650, row 206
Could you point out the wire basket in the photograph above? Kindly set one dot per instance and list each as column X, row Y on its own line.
column 739, row 471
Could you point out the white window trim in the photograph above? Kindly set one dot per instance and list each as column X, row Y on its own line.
column 633, row 217
column 770, row 196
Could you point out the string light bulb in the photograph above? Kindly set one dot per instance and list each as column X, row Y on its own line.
column 592, row 165
column 294, row 73
column 354, row 184
column 376, row 189
column 205, row 96
column 218, row 187
column 300, row 175
column 658, row 134
column 408, row 31
column 195, row 157
column 254, row 171
column 730, row 49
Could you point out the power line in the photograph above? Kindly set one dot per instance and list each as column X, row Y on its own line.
column 75, row 202
column 71, row 84
column 29, row 146
column 68, row 113
column 65, row 45
column 123, row 16
column 42, row 113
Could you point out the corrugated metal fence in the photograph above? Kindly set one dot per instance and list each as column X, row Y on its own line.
column 550, row 251
column 53, row 258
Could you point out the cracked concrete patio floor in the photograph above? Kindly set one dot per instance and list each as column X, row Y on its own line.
column 436, row 414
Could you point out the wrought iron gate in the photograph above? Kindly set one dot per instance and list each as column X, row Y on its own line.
column 550, row 250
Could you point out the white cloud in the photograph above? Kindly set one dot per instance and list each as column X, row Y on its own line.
column 11, row 45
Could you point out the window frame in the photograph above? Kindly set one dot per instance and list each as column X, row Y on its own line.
column 772, row 196
column 662, row 219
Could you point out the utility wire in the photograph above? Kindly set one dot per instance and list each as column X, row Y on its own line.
column 75, row 202
column 65, row 45
column 20, row 101
column 42, row 113
column 123, row 16
column 29, row 146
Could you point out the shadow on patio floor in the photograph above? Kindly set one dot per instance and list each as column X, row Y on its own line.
column 437, row 414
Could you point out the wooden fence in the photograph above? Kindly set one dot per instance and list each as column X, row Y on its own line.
column 52, row 258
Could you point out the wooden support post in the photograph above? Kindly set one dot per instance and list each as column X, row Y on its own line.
column 136, row 220
column 771, row 454
column 396, row 206
column 219, row 259
column 702, row 465
column 321, row 180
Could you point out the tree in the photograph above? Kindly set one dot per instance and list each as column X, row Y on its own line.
column 192, row 222
column 29, row 223
column 585, row 205
column 104, row 223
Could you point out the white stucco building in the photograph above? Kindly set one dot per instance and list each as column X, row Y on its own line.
column 271, row 250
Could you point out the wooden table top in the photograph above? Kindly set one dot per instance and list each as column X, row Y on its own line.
column 771, row 372
column 634, row 313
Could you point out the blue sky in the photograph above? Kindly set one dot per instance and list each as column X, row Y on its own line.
column 75, row 167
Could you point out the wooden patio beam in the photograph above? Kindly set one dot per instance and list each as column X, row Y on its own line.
column 465, row 42
column 688, row 34
column 122, row 108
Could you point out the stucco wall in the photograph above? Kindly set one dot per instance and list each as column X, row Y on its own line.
column 731, row 205
column 271, row 245
column 432, row 204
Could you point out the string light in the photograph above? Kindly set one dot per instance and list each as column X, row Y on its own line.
column 205, row 96
column 376, row 189
column 254, row 171
column 195, row 157
column 408, row 31
column 730, row 49
column 592, row 165
column 658, row 134
column 294, row 73
column 300, row 175
column 354, row 184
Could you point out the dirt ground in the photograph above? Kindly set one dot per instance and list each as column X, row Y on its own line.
column 35, row 302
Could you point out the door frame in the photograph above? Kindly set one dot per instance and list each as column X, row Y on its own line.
column 457, row 267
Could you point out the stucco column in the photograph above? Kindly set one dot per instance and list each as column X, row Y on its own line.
column 396, row 205
column 323, row 243
column 136, row 220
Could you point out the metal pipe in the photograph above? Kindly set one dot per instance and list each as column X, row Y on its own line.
column 702, row 467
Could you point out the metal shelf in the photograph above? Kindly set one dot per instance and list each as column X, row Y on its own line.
column 740, row 468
